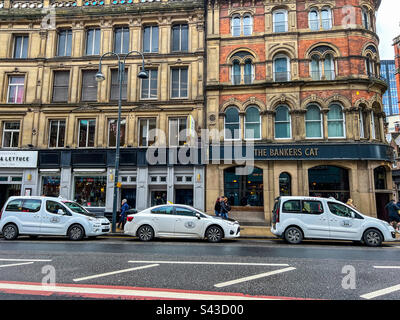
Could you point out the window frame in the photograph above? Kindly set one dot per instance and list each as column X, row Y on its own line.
column 123, row 138
column 18, row 88
column 180, row 96
column 247, row 122
column 95, row 30
column 289, row 123
column 147, row 119
column 24, row 41
column 87, row 133
column 64, row 87
column 288, row 71
column 125, row 32
column 12, row 131
column 67, row 50
column 58, row 133
column 180, row 25
column 230, row 123
column 343, row 121
column 149, row 80
column 320, row 121
column 286, row 24
column 151, row 38
column 179, row 135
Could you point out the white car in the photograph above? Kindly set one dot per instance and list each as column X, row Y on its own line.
column 36, row 216
column 179, row 221
column 298, row 218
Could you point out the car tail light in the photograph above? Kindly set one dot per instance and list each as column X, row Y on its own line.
column 129, row 218
column 277, row 215
column 1, row 211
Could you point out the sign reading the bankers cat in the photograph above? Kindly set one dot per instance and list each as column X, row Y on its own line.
column 18, row 159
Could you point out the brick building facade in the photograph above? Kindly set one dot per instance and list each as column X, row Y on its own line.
column 290, row 77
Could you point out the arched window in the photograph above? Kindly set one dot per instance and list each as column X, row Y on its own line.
column 326, row 18
column 236, row 25
column 336, row 122
column 248, row 71
column 282, row 123
column 313, row 122
column 329, row 67
column 380, row 178
column 232, row 124
column 363, row 122
column 375, row 124
column 313, row 19
column 315, row 67
column 252, row 123
column 366, row 18
column 242, row 25
column 281, row 68
column 236, row 74
column 285, row 184
column 370, row 65
column 280, row 21
column 247, row 25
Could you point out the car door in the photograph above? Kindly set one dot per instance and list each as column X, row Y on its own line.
column 53, row 222
column 163, row 219
column 187, row 224
column 343, row 223
column 28, row 213
column 315, row 219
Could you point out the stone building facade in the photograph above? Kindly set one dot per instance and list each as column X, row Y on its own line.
column 51, row 105
column 300, row 81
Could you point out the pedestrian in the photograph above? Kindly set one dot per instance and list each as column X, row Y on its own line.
column 124, row 207
column 393, row 212
column 217, row 207
column 350, row 203
column 225, row 207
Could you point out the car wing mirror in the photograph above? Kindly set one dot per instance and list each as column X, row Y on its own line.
column 61, row 212
column 198, row 216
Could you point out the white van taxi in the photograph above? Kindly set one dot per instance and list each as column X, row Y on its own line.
column 34, row 216
column 297, row 218
column 179, row 221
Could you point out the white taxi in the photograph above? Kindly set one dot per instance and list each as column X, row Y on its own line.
column 179, row 221
column 40, row 215
column 297, row 217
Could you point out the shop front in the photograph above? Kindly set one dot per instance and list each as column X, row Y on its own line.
column 18, row 174
column 87, row 176
column 358, row 171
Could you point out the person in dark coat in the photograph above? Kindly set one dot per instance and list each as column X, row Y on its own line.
column 225, row 207
column 393, row 212
column 217, row 207
column 125, row 207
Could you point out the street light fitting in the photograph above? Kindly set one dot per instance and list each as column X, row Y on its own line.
column 100, row 76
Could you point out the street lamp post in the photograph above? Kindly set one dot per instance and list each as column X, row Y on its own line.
column 100, row 77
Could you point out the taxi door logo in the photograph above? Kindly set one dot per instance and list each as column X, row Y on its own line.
column 190, row 225
column 55, row 220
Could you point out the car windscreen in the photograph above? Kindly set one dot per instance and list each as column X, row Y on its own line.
column 78, row 208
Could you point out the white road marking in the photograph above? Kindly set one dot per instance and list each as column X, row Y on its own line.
column 30, row 260
column 115, row 272
column 387, row 267
column 15, row 264
column 257, row 276
column 382, row 292
column 216, row 263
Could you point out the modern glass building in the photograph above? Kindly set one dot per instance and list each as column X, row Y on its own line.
column 390, row 99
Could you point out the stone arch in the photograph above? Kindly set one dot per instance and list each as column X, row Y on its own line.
column 313, row 99
column 322, row 48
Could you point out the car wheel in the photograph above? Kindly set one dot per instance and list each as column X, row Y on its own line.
column 214, row 234
column 293, row 235
column 76, row 232
column 145, row 233
column 373, row 238
column 10, row 232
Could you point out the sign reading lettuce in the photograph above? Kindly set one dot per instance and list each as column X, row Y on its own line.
column 18, row 159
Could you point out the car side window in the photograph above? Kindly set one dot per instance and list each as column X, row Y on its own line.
column 185, row 212
column 312, row 207
column 14, row 205
column 291, row 206
column 339, row 209
column 163, row 210
column 31, row 205
column 53, row 207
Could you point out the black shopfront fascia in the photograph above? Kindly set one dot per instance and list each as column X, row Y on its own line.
column 105, row 158
column 137, row 157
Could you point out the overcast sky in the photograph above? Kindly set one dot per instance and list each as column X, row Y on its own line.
column 388, row 27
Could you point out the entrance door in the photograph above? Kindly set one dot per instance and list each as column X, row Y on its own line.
column 382, row 200
column 130, row 195
column 8, row 190
column 184, row 196
column 158, row 198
